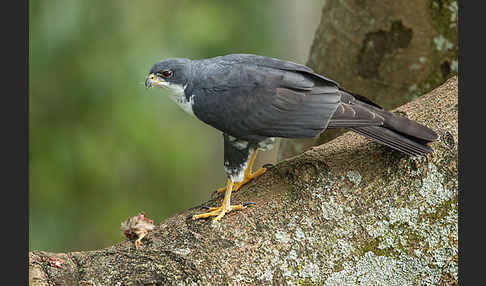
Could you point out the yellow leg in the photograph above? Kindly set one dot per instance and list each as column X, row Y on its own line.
column 225, row 207
column 140, row 234
column 248, row 175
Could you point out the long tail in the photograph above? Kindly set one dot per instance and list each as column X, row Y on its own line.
column 370, row 120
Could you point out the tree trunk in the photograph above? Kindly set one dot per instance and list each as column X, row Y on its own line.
column 349, row 212
column 389, row 51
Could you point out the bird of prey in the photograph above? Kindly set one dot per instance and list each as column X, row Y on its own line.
column 253, row 99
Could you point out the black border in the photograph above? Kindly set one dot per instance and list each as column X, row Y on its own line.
column 14, row 140
column 470, row 121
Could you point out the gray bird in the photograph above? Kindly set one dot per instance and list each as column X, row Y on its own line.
column 253, row 99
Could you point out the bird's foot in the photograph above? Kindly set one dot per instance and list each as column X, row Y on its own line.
column 138, row 242
column 218, row 212
column 248, row 177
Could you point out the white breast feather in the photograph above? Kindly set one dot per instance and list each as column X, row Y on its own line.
column 176, row 93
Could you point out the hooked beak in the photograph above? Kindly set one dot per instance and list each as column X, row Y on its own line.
column 151, row 80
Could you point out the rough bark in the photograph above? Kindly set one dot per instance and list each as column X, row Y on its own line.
column 349, row 212
column 389, row 51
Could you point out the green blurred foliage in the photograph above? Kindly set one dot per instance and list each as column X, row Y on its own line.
column 102, row 147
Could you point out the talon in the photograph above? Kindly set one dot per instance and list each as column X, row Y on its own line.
column 249, row 204
column 226, row 207
column 218, row 212
column 268, row 166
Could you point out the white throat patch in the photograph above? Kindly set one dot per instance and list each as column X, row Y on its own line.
column 176, row 93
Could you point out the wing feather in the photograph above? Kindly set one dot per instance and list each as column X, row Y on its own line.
column 253, row 97
column 251, row 100
column 275, row 64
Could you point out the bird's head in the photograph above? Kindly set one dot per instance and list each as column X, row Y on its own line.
column 172, row 74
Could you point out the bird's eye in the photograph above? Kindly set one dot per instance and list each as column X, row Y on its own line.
column 166, row 73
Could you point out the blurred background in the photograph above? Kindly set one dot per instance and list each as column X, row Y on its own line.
column 102, row 147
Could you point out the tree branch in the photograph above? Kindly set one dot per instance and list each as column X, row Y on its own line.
column 389, row 51
column 346, row 212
